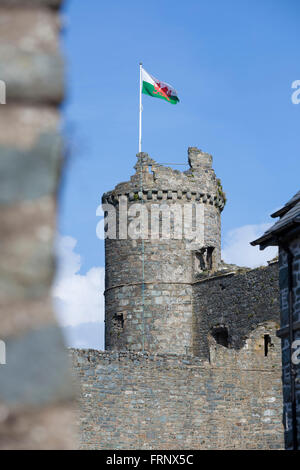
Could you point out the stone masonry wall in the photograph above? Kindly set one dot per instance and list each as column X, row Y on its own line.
column 238, row 301
column 163, row 401
column 229, row 397
column 166, row 320
column 36, row 388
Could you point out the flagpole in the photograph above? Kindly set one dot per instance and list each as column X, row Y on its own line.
column 140, row 110
column 141, row 189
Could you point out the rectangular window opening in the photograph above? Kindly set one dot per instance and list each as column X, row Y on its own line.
column 267, row 342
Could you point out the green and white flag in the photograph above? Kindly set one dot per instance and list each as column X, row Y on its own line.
column 153, row 87
column 158, row 89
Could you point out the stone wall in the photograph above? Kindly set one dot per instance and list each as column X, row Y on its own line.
column 163, row 401
column 284, row 334
column 238, row 302
column 214, row 396
column 163, row 330
column 36, row 392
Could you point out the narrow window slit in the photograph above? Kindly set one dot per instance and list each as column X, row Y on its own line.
column 267, row 343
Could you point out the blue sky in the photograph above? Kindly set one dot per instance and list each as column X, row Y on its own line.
column 232, row 62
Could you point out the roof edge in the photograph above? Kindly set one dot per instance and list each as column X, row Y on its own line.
column 272, row 239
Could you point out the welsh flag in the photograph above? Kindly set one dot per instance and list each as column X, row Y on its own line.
column 153, row 87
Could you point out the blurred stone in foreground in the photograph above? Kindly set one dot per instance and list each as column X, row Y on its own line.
column 37, row 408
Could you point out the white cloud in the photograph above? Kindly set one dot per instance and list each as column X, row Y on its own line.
column 237, row 248
column 78, row 298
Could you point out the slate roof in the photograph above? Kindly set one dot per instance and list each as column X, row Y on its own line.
column 289, row 219
column 287, row 206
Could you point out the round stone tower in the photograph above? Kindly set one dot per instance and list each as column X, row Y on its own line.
column 163, row 229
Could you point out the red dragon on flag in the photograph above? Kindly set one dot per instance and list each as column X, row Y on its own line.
column 163, row 91
column 156, row 88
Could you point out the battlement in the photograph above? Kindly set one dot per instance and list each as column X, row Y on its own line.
column 156, row 182
column 198, row 159
column 161, row 195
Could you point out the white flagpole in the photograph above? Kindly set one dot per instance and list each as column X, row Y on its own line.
column 140, row 111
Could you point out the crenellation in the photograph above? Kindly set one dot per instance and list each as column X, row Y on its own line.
column 164, row 194
column 161, row 178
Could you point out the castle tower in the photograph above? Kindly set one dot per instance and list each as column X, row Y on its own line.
column 149, row 275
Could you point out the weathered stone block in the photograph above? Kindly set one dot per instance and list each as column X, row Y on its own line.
column 30, row 30
column 26, row 261
column 38, row 169
column 32, row 76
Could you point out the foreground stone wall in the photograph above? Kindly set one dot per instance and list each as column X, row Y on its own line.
column 160, row 401
column 36, row 392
